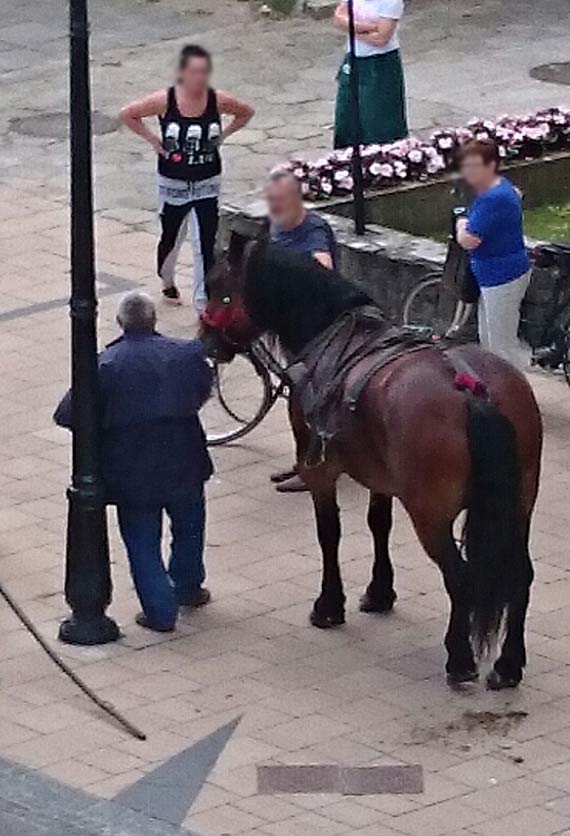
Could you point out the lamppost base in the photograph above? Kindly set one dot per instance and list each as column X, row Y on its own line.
column 86, row 632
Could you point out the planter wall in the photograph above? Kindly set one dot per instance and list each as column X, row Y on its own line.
column 424, row 208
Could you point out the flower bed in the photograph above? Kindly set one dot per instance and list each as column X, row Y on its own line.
column 518, row 137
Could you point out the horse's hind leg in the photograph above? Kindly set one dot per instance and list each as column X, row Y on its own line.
column 460, row 665
column 440, row 544
column 380, row 595
column 508, row 669
column 328, row 609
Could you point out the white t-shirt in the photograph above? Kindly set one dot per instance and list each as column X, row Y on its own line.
column 371, row 10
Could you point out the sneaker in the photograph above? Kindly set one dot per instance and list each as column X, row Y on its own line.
column 171, row 295
column 143, row 621
column 198, row 599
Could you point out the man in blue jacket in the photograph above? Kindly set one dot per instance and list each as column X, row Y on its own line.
column 154, row 457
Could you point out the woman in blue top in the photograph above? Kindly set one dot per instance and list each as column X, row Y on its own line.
column 493, row 234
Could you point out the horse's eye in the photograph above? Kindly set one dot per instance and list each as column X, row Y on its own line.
column 226, row 300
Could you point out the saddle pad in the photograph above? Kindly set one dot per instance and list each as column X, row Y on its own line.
column 319, row 373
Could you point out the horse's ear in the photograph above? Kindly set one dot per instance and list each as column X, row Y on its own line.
column 236, row 248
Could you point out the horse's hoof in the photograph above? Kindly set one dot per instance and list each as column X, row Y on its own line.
column 456, row 679
column 324, row 621
column 380, row 605
column 497, row 681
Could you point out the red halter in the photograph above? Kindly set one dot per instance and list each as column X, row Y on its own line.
column 227, row 317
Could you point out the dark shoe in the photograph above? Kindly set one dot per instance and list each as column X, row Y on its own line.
column 143, row 621
column 171, row 295
column 294, row 485
column 199, row 599
column 547, row 357
column 283, row 475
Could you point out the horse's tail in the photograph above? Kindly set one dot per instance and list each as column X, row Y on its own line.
column 494, row 537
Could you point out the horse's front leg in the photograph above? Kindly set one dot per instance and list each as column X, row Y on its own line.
column 321, row 480
column 328, row 609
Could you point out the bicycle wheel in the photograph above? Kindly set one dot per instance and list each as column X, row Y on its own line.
column 242, row 395
column 430, row 304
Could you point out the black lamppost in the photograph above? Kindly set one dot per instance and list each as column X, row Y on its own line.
column 358, row 185
column 88, row 585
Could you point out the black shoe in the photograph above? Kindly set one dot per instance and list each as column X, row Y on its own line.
column 171, row 295
column 143, row 621
column 283, row 475
column 547, row 357
column 198, row 599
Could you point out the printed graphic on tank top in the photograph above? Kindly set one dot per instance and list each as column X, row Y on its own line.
column 191, row 142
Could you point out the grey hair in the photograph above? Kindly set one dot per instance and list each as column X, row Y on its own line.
column 136, row 312
column 280, row 174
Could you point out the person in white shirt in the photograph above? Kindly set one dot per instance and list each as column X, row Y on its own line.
column 381, row 86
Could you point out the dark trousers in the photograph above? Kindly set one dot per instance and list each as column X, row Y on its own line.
column 161, row 590
column 199, row 220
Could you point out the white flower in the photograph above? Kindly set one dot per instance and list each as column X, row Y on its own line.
column 415, row 156
column 386, row 170
column 326, row 187
column 482, row 135
column 375, row 169
column 445, row 142
column 435, row 164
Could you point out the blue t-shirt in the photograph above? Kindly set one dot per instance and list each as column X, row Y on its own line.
column 496, row 218
column 313, row 235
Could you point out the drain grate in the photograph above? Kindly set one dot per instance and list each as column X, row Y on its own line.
column 558, row 73
column 56, row 125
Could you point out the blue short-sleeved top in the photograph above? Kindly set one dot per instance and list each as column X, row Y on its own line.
column 496, row 218
column 313, row 235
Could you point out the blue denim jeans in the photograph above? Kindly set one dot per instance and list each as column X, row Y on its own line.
column 161, row 590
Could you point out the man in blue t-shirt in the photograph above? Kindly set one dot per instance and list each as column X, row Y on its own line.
column 492, row 233
column 293, row 227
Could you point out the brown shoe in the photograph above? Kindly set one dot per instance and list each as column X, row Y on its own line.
column 199, row 599
column 293, row 485
column 283, row 475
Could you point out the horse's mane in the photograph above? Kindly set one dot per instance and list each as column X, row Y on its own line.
column 293, row 296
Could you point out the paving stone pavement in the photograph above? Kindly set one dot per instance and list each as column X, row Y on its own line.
column 370, row 693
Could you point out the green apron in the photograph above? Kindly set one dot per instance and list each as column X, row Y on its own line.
column 381, row 96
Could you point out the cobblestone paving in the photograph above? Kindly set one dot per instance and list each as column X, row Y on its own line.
column 370, row 693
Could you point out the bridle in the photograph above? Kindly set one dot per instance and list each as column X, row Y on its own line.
column 226, row 318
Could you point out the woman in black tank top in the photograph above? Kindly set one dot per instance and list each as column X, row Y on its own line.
column 191, row 143
column 189, row 163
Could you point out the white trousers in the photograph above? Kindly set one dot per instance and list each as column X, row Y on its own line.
column 499, row 316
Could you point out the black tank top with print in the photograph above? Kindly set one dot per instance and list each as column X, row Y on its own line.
column 191, row 142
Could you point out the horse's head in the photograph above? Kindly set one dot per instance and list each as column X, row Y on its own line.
column 225, row 326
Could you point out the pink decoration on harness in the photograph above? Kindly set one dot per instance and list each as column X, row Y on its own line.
column 467, row 383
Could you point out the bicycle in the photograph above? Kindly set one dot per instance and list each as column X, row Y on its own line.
column 433, row 303
column 244, row 391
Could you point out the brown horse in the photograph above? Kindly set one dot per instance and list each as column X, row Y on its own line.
column 413, row 436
